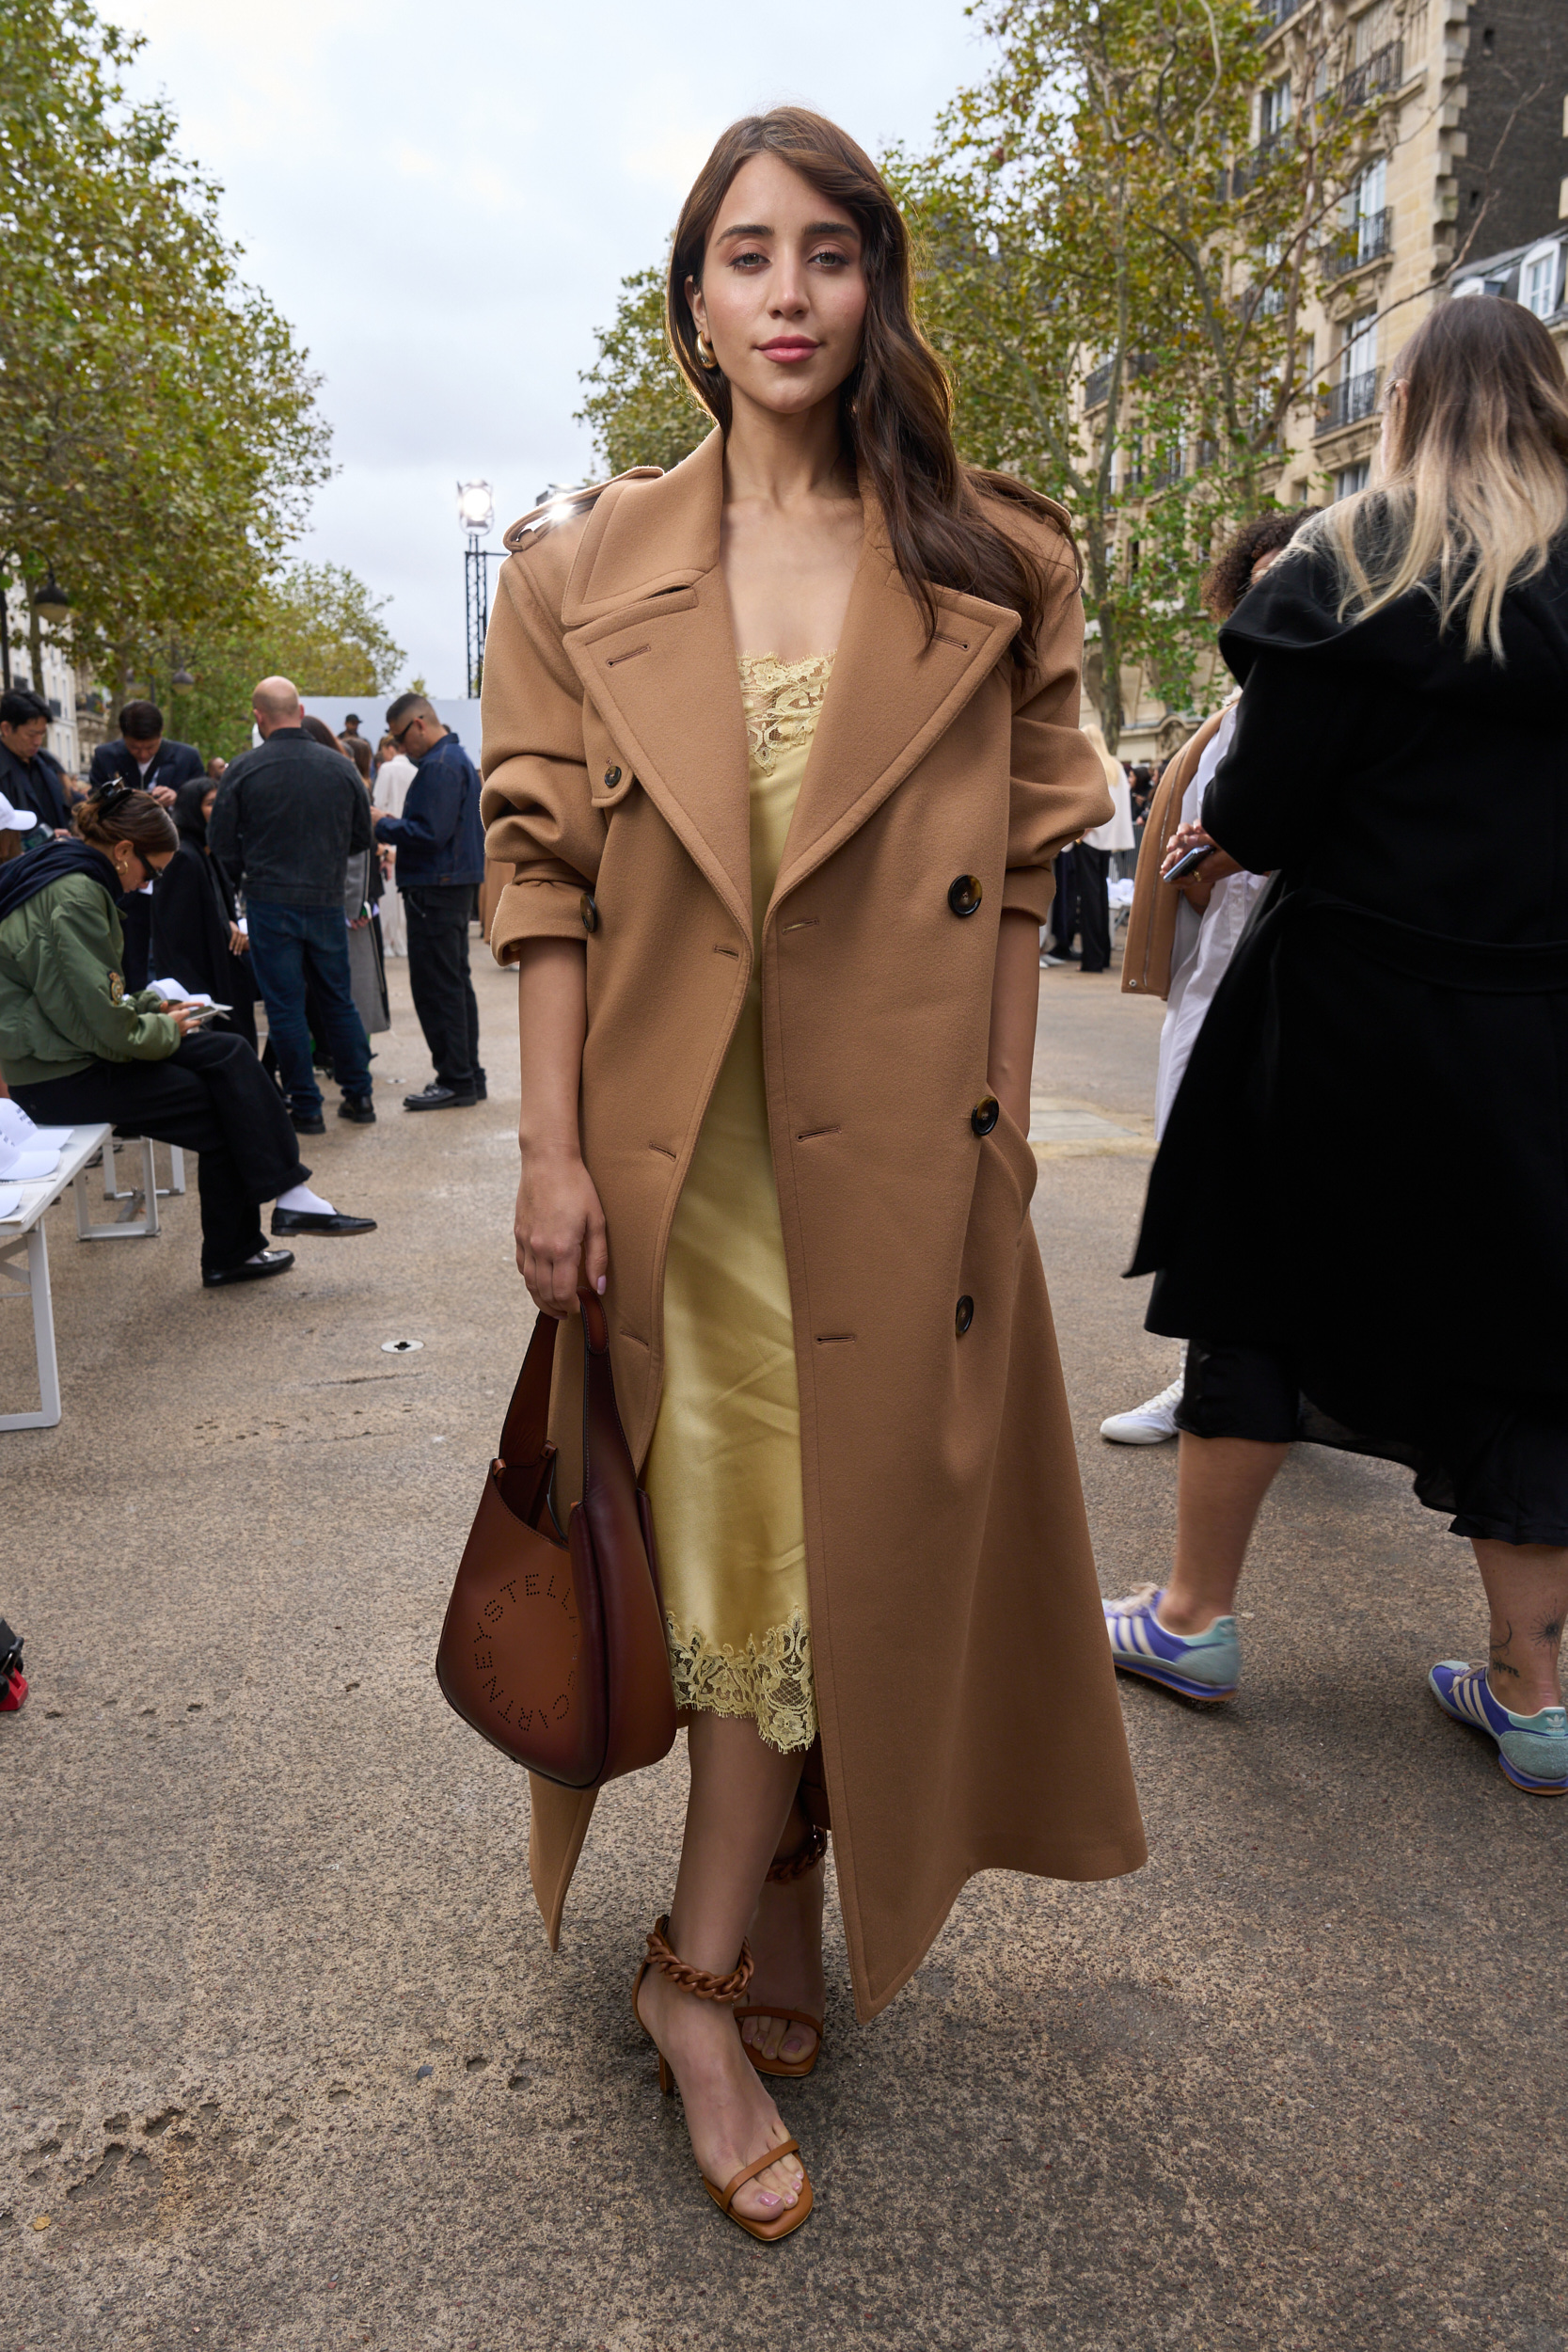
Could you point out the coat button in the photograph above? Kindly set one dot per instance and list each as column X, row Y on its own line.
column 963, row 1314
column 611, row 778
column 987, row 1111
column 589, row 912
column 964, row 894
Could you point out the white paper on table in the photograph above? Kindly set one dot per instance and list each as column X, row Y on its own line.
column 48, row 1139
column 172, row 994
column 10, row 1202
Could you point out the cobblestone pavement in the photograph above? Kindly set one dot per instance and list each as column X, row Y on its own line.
column 286, row 2061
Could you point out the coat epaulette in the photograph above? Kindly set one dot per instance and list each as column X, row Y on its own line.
column 566, row 503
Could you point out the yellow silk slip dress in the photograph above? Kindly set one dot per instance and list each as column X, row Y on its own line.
column 723, row 1472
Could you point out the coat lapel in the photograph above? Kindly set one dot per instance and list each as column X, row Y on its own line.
column 648, row 632
column 891, row 697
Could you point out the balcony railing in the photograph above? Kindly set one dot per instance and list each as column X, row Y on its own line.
column 1383, row 70
column 1349, row 401
column 1097, row 384
column 1359, row 242
column 1249, row 168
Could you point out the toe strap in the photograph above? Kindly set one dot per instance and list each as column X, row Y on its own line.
column 793, row 2016
column 750, row 2171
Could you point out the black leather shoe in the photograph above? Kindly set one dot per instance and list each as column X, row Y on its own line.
column 303, row 1126
column 440, row 1099
column 319, row 1221
column 359, row 1108
column 253, row 1270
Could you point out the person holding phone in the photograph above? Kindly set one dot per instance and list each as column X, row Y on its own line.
column 75, row 1047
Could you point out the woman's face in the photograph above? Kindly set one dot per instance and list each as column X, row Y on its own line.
column 208, row 802
column 133, row 869
column 782, row 297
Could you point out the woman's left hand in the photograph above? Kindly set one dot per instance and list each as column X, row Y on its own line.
column 238, row 942
column 1215, row 866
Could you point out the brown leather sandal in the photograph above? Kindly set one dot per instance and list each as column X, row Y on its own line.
column 710, row 1988
column 794, row 1866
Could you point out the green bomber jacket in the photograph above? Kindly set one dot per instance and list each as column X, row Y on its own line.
column 62, row 1004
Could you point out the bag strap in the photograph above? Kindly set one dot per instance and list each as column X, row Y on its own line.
column 607, row 1463
column 524, row 1432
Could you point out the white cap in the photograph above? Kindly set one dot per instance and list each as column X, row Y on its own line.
column 15, row 819
column 24, row 1167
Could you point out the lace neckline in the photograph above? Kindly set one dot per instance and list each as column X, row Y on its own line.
column 781, row 701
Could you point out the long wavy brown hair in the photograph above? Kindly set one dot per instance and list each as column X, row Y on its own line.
column 896, row 407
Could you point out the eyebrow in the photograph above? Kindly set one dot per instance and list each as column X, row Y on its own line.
column 814, row 228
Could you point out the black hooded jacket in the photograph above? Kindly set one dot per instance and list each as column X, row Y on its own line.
column 1366, row 1163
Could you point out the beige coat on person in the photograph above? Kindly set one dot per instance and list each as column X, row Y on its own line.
column 968, row 1708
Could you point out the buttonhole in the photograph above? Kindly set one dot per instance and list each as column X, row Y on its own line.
column 961, row 643
column 807, row 1134
column 662, row 1148
column 834, row 1338
column 722, row 950
column 807, row 922
column 629, row 656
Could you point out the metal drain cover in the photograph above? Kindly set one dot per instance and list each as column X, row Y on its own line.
column 401, row 1347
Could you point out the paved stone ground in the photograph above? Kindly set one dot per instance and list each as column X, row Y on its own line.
column 284, row 2060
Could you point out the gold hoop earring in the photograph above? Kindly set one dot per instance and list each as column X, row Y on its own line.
column 705, row 352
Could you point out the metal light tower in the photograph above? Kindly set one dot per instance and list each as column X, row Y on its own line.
column 476, row 512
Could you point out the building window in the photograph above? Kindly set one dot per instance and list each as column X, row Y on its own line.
column 1274, row 108
column 1351, row 478
column 1539, row 274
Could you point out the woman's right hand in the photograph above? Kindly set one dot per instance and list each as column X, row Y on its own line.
column 184, row 1016
column 559, row 1231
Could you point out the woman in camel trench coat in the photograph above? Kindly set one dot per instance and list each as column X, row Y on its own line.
column 968, row 1717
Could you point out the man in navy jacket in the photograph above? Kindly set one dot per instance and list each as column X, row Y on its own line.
column 145, row 757
column 441, row 847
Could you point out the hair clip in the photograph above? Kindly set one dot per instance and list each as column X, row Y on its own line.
column 111, row 796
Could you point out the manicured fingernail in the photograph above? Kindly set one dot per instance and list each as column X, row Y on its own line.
column 599, row 1285
column 769, row 2197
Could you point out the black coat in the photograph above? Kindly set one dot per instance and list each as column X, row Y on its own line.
column 176, row 764
column 1366, row 1163
column 289, row 816
column 34, row 784
column 193, row 906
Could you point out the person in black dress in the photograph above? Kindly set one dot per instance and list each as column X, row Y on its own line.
column 195, row 936
column 1358, row 1217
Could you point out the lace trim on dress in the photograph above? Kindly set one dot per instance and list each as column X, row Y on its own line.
column 782, row 700
column 770, row 1681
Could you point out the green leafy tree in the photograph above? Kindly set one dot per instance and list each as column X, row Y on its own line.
column 1114, row 266
column 159, row 437
column 638, row 406
column 317, row 623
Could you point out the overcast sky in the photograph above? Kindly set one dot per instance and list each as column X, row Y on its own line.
column 443, row 199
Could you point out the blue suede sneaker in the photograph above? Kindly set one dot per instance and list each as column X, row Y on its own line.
column 1204, row 1666
column 1532, row 1749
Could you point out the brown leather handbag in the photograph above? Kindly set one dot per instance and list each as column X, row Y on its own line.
column 553, row 1648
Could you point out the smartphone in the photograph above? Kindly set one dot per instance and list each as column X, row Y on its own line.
column 204, row 1013
column 1194, row 857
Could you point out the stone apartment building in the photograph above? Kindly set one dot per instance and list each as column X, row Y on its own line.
column 74, row 727
column 1462, row 191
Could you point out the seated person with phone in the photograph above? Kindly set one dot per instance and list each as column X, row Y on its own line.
column 76, row 1048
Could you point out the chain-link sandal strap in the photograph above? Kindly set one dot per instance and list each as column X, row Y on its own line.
column 804, row 1858
column 697, row 1980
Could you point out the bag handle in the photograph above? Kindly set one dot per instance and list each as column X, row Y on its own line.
column 527, row 1455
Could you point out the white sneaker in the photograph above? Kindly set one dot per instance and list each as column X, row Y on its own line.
column 1151, row 1423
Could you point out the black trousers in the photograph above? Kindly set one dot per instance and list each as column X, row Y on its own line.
column 1064, row 906
column 211, row 1097
column 439, row 979
column 1094, row 906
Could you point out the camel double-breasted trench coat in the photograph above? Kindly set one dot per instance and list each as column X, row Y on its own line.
column 969, row 1717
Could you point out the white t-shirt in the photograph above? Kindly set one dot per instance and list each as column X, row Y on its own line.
column 1204, row 943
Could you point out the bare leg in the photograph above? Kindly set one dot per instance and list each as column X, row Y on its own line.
column 786, row 1941
column 1220, row 1485
column 1527, row 1591
column 741, row 1794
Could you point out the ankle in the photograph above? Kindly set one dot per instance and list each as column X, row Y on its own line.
column 1189, row 1614
column 1522, row 1698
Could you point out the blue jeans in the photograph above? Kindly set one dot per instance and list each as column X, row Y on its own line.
column 289, row 947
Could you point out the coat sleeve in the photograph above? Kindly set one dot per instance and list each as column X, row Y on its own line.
column 223, row 827
column 1265, row 802
column 1058, row 787
column 71, row 985
column 430, row 813
column 538, row 817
